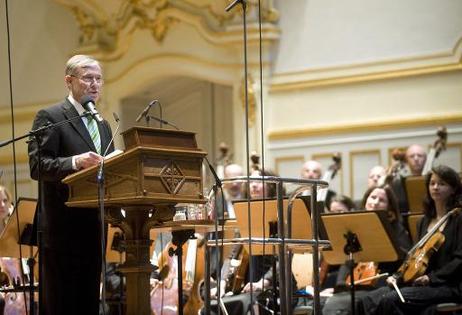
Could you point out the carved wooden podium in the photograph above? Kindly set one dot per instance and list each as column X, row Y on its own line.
column 158, row 169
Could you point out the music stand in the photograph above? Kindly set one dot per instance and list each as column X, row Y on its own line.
column 114, row 250
column 360, row 236
column 300, row 226
column 415, row 192
column 9, row 238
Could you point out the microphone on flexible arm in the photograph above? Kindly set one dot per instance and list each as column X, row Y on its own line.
column 233, row 4
column 89, row 104
column 117, row 119
column 145, row 111
column 162, row 121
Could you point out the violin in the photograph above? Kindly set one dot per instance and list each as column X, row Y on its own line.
column 365, row 273
column 417, row 259
column 239, row 275
column 15, row 302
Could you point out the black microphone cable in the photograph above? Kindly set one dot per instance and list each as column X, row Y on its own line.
column 100, row 181
column 15, row 179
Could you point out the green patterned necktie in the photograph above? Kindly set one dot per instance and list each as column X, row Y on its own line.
column 92, row 127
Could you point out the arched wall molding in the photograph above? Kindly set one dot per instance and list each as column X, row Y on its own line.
column 432, row 63
column 155, row 68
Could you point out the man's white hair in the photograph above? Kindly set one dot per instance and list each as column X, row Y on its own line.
column 80, row 61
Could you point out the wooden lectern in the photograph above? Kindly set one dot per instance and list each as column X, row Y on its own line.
column 158, row 169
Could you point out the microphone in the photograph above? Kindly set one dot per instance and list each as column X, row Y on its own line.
column 89, row 104
column 146, row 110
column 164, row 122
column 233, row 4
column 117, row 119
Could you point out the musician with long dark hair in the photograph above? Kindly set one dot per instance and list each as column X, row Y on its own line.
column 441, row 280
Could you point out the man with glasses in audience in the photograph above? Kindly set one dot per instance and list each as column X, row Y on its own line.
column 70, row 238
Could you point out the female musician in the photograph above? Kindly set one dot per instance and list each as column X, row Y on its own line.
column 441, row 281
column 341, row 203
column 375, row 198
column 5, row 207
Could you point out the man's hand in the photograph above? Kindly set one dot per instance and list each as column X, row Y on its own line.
column 87, row 159
column 391, row 280
column 256, row 286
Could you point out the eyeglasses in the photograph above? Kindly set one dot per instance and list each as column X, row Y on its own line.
column 90, row 79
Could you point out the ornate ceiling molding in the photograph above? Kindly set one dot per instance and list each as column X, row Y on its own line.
column 106, row 26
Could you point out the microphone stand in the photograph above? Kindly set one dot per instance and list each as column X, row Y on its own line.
column 246, row 94
column 101, row 188
column 218, row 254
column 36, row 136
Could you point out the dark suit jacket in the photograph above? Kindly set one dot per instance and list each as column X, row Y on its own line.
column 64, row 228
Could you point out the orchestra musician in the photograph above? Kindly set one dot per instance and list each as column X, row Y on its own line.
column 240, row 303
column 374, row 176
column 5, row 209
column 71, row 252
column 415, row 159
column 441, row 280
column 375, row 198
column 341, row 203
column 312, row 169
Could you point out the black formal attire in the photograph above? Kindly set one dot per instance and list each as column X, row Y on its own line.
column 71, row 237
column 444, row 271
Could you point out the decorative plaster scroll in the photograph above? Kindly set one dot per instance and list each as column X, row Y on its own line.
column 252, row 98
column 107, row 25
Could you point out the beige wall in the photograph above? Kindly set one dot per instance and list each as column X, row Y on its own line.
column 350, row 76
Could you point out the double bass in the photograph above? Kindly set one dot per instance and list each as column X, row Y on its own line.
column 438, row 146
column 164, row 295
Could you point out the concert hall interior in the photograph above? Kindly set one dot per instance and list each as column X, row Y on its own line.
column 360, row 96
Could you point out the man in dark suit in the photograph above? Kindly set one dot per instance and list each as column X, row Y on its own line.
column 70, row 237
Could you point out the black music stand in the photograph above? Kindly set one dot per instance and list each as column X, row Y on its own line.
column 360, row 236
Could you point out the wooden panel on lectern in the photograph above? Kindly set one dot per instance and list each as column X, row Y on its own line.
column 144, row 175
column 158, row 138
column 415, row 191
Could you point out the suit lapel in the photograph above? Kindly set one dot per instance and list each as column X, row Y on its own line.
column 77, row 124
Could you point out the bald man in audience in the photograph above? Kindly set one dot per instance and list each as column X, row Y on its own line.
column 376, row 176
column 313, row 170
column 416, row 156
column 233, row 190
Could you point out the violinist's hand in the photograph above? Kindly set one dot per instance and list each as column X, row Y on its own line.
column 87, row 159
column 154, row 283
column 391, row 280
column 422, row 281
column 256, row 286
